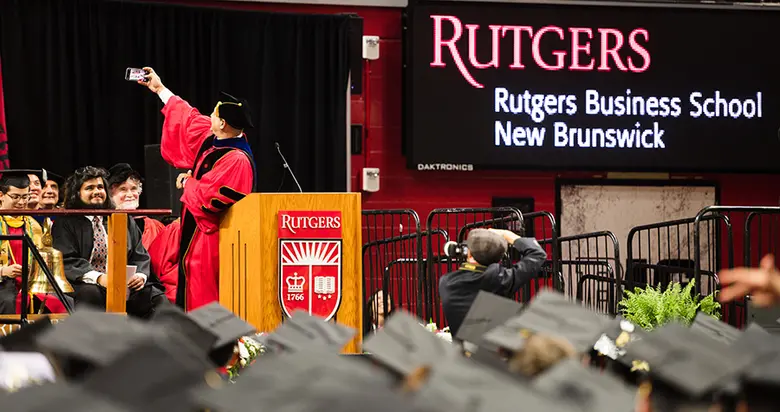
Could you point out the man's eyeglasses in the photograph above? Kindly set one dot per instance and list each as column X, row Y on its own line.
column 17, row 198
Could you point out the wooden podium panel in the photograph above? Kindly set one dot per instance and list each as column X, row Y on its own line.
column 250, row 257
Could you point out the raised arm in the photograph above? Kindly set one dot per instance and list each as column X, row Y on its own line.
column 510, row 280
column 184, row 128
column 226, row 183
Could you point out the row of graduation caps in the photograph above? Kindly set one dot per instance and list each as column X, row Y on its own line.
column 113, row 363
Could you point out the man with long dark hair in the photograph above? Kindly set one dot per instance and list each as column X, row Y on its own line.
column 83, row 241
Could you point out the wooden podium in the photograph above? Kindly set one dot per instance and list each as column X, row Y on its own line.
column 281, row 252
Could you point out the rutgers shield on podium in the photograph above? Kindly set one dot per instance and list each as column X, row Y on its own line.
column 310, row 251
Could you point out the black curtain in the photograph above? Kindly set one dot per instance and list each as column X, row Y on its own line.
column 68, row 105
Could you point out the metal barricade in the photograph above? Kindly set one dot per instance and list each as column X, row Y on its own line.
column 756, row 235
column 595, row 256
column 391, row 236
column 679, row 251
column 544, row 227
column 457, row 221
column 590, row 287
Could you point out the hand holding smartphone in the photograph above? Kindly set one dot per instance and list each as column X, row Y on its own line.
column 145, row 77
column 134, row 75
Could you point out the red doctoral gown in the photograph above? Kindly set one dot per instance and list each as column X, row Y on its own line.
column 222, row 174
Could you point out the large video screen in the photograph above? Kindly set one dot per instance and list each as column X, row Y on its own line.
column 586, row 87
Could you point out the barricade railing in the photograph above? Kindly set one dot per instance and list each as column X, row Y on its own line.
column 598, row 291
column 663, row 252
column 756, row 233
column 457, row 221
column 390, row 236
column 587, row 267
column 545, row 230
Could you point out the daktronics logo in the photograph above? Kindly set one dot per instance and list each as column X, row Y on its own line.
column 610, row 56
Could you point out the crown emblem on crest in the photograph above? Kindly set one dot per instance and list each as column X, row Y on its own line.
column 295, row 283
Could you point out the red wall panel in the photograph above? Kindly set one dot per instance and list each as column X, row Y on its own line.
column 379, row 109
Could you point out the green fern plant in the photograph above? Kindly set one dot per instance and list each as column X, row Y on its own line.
column 651, row 307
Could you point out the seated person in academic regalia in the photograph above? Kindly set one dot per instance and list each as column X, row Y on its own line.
column 164, row 252
column 83, row 241
column 126, row 187
column 15, row 192
column 36, row 187
column 50, row 196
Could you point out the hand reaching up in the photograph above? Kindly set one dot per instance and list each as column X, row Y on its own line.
column 762, row 283
column 152, row 81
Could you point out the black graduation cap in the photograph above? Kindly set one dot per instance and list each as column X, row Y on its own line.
column 403, row 345
column 173, row 318
column 61, row 397
column 585, row 387
column 715, row 329
column 120, row 172
column 96, row 338
column 24, row 338
column 301, row 381
column 227, row 327
column 482, row 389
column 47, row 175
column 304, row 331
column 161, row 375
column 17, row 173
column 234, row 111
column 486, row 313
column 271, row 369
column 688, row 367
column 553, row 314
column 762, row 379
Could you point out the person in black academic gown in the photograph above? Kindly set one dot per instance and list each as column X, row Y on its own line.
column 85, row 252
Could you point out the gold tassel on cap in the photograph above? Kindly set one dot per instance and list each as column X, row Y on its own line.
column 638, row 365
column 414, row 381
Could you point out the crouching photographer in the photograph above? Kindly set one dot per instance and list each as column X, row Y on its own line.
column 484, row 250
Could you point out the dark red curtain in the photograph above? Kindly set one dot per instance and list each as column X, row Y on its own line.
column 69, row 104
column 4, row 162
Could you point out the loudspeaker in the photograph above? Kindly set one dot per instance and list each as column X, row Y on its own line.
column 160, row 190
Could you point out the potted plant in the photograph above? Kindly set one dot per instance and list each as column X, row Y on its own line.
column 651, row 307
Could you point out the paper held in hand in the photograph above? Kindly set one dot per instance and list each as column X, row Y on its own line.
column 130, row 273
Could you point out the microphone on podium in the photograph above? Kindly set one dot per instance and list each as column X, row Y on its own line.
column 287, row 166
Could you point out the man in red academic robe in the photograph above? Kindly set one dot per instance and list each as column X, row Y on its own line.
column 221, row 165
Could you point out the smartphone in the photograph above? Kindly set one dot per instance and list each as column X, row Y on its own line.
column 134, row 75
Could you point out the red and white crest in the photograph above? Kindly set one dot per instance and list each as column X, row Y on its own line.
column 310, row 268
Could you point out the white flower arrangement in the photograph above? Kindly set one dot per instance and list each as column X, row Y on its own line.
column 246, row 351
column 442, row 333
